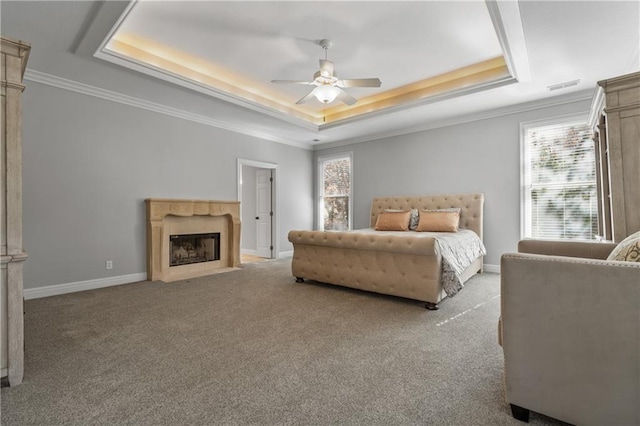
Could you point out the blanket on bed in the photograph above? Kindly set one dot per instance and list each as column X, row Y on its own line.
column 458, row 251
column 457, row 254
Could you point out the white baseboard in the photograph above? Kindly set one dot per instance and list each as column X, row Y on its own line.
column 248, row 251
column 284, row 254
column 494, row 269
column 54, row 290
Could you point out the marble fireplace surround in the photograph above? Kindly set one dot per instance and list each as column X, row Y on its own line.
column 167, row 217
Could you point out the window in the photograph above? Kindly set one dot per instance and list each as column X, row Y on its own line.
column 335, row 185
column 559, row 181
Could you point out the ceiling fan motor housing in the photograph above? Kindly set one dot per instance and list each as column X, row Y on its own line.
column 325, row 43
column 320, row 78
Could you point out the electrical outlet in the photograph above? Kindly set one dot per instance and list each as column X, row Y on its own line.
column 109, row 264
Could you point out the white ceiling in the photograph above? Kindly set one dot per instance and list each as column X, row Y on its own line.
column 543, row 43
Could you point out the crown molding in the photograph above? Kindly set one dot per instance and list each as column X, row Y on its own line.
column 177, row 79
column 97, row 92
column 98, row 25
column 103, row 52
column 85, row 89
column 467, row 118
column 424, row 101
column 507, row 21
column 597, row 102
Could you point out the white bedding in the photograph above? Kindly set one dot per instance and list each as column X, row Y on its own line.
column 458, row 251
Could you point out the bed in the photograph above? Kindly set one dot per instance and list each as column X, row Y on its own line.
column 409, row 264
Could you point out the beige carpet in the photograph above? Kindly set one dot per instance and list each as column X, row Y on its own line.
column 253, row 347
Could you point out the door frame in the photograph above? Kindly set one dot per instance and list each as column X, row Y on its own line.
column 264, row 211
column 274, row 198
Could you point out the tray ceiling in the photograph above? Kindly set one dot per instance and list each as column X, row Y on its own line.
column 232, row 50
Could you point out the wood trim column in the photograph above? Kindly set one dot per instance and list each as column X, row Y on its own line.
column 14, row 56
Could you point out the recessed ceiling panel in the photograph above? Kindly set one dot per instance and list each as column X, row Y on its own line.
column 417, row 49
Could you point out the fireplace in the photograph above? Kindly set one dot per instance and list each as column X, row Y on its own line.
column 191, row 238
column 187, row 249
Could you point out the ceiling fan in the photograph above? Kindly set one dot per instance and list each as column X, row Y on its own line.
column 328, row 85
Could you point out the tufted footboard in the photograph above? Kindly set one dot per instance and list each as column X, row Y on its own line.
column 399, row 266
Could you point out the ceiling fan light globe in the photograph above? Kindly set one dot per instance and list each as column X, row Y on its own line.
column 326, row 93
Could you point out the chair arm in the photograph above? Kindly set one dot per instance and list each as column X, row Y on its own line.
column 589, row 250
column 571, row 337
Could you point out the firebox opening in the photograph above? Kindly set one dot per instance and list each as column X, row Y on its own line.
column 187, row 249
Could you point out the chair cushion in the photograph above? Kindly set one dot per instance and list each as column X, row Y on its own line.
column 628, row 250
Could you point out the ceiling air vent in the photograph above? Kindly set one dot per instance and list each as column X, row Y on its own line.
column 563, row 85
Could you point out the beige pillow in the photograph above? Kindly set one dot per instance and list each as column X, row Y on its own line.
column 438, row 221
column 413, row 218
column 393, row 221
column 628, row 250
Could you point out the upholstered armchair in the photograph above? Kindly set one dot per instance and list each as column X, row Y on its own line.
column 570, row 333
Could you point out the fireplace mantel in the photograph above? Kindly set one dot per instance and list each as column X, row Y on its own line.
column 165, row 216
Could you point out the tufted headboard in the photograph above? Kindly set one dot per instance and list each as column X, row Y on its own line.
column 471, row 207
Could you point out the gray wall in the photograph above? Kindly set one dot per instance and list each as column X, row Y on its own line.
column 478, row 156
column 90, row 163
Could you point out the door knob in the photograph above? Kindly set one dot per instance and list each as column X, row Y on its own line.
column 257, row 217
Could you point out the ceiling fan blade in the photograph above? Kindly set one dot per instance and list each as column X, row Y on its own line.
column 326, row 68
column 291, row 82
column 346, row 98
column 361, row 82
column 306, row 98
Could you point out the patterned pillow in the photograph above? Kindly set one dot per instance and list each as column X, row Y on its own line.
column 413, row 219
column 452, row 209
column 628, row 250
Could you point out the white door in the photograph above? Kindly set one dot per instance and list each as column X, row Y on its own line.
column 263, row 212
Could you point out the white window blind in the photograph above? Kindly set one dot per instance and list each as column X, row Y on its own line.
column 559, row 184
column 335, row 192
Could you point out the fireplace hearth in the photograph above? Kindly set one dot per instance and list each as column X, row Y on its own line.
column 187, row 249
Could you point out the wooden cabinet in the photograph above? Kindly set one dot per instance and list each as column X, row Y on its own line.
column 615, row 116
column 13, row 60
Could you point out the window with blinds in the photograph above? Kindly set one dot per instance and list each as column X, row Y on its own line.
column 335, row 178
column 559, row 182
